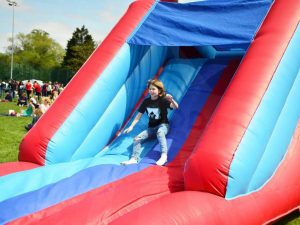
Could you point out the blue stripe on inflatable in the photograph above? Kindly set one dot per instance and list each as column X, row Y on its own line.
column 177, row 77
column 201, row 23
column 143, row 20
column 73, row 131
column 97, row 101
column 52, row 173
column 124, row 101
column 184, row 118
column 52, row 194
column 280, row 139
column 99, row 175
column 268, row 135
column 34, row 179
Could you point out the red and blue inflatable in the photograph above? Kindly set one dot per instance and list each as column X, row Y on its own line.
column 233, row 65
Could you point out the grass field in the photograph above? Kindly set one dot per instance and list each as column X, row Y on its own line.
column 12, row 131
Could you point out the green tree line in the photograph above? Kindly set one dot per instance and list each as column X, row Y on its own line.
column 38, row 56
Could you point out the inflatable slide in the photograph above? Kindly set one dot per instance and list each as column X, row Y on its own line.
column 233, row 147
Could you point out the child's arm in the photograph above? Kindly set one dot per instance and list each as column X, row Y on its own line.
column 134, row 122
column 173, row 104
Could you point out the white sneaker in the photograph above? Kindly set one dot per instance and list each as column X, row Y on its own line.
column 130, row 161
column 163, row 159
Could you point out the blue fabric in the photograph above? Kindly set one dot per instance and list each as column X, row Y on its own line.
column 130, row 66
column 177, row 77
column 98, row 175
column 201, row 23
column 191, row 105
column 173, row 77
column 124, row 100
column 270, row 131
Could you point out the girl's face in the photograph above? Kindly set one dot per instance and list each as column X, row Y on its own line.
column 153, row 92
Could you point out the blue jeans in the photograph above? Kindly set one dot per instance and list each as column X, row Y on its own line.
column 160, row 131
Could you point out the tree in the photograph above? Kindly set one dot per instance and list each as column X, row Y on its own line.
column 79, row 48
column 38, row 50
column 35, row 55
column 4, row 66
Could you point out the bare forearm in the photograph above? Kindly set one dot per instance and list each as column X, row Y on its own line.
column 136, row 119
column 174, row 104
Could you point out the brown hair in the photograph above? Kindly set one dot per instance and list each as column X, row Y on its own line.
column 38, row 112
column 159, row 85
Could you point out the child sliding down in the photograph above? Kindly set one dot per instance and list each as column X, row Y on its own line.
column 156, row 107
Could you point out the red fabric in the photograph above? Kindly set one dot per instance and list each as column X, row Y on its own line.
column 122, row 196
column 275, row 199
column 13, row 167
column 37, row 88
column 33, row 147
column 28, row 86
column 207, row 169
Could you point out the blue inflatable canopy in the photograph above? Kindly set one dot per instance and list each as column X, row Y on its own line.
column 217, row 22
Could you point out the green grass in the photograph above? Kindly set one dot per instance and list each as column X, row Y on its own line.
column 291, row 219
column 12, row 131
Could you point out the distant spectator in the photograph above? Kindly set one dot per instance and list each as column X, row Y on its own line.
column 54, row 96
column 2, row 87
column 8, row 97
column 61, row 88
column 28, row 88
column 49, row 89
column 46, row 102
column 29, row 111
column 22, row 101
column 13, row 87
column 20, row 88
column 37, row 89
column 55, row 86
column 37, row 114
column 44, row 89
column 34, row 102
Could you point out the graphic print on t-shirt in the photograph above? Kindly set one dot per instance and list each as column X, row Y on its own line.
column 153, row 113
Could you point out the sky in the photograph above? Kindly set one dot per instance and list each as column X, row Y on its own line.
column 60, row 18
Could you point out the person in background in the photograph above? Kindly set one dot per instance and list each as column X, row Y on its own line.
column 28, row 88
column 61, row 88
column 54, row 96
column 13, row 87
column 22, row 101
column 44, row 89
column 49, row 89
column 46, row 102
column 34, row 102
column 37, row 89
column 29, row 111
column 20, row 88
column 3, row 88
column 8, row 97
column 36, row 116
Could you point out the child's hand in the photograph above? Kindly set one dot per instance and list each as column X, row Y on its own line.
column 126, row 131
column 169, row 97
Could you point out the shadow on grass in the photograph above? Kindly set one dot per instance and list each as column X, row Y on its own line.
column 291, row 219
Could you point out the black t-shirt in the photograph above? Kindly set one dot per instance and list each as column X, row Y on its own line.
column 157, row 110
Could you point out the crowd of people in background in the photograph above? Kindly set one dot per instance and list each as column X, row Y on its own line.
column 40, row 89
column 36, row 96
